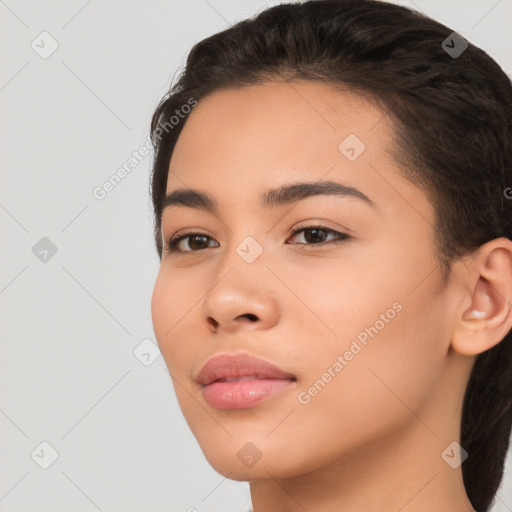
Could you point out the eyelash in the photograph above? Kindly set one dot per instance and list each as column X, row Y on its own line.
column 172, row 244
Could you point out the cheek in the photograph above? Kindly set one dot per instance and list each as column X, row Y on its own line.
column 171, row 302
column 162, row 308
column 377, row 393
column 390, row 335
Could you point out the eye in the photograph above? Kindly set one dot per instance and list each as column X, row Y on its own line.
column 312, row 235
column 195, row 241
column 316, row 235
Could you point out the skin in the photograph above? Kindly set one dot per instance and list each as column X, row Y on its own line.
column 373, row 437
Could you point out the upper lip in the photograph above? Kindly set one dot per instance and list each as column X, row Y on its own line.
column 228, row 366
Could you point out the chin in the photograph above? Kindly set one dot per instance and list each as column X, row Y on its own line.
column 236, row 464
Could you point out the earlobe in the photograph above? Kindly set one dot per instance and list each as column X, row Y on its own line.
column 488, row 318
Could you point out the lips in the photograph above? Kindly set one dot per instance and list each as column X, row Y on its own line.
column 240, row 367
column 240, row 381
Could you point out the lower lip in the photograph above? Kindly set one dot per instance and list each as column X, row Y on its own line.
column 243, row 394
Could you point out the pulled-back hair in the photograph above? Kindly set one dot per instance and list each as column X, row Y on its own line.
column 452, row 121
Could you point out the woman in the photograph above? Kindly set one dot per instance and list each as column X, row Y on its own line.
column 331, row 212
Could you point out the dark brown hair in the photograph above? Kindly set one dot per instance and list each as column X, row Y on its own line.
column 452, row 120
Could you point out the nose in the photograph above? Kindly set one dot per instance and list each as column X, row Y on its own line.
column 239, row 300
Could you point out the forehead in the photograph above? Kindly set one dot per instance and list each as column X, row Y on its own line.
column 266, row 121
column 238, row 142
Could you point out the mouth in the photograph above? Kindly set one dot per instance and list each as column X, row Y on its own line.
column 244, row 393
column 240, row 381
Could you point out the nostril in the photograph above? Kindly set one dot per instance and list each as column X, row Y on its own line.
column 213, row 322
column 250, row 316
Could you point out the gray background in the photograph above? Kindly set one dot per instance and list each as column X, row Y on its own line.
column 72, row 320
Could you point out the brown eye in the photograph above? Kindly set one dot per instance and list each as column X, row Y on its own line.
column 316, row 235
column 195, row 242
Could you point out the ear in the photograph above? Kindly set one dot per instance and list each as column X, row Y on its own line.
column 488, row 318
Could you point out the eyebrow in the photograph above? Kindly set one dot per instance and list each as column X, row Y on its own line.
column 284, row 195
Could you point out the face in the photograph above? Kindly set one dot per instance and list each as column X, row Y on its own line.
column 337, row 287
